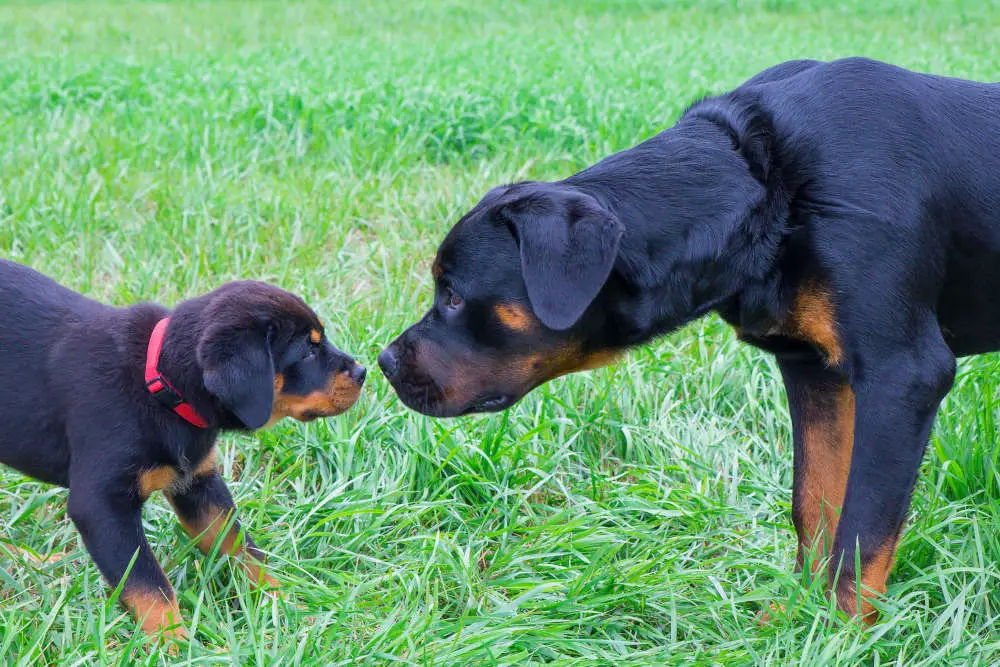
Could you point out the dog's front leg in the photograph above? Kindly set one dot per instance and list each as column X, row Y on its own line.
column 821, row 404
column 898, row 390
column 207, row 513
column 110, row 522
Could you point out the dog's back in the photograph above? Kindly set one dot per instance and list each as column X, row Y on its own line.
column 922, row 141
column 35, row 313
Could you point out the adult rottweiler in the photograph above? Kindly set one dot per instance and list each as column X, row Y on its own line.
column 844, row 216
column 116, row 403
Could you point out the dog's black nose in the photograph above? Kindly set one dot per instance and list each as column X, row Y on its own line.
column 388, row 362
column 359, row 373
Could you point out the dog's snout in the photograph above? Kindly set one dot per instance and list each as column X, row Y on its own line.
column 388, row 361
column 359, row 373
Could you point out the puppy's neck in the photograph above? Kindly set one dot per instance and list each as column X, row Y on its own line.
column 179, row 363
column 703, row 224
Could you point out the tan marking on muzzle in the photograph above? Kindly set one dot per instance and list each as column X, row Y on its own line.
column 339, row 394
column 517, row 375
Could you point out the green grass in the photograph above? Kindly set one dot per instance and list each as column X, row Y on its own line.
column 633, row 515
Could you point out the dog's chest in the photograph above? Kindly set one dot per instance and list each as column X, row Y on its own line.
column 811, row 322
column 174, row 480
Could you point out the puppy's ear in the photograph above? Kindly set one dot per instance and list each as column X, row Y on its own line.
column 239, row 371
column 568, row 246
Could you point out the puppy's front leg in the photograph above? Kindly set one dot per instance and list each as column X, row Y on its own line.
column 110, row 523
column 205, row 509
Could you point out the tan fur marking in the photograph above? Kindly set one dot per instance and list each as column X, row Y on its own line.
column 515, row 317
column 206, row 530
column 515, row 375
column 276, row 415
column 593, row 360
column 208, row 465
column 256, row 573
column 436, row 270
column 812, row 319
column 156, row 479
column 874, row 575
column 339, row 394
column 827, row 441
column 156, row 611
column 316, row 336
column 571, row 360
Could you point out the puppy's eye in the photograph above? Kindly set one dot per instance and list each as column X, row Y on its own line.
column 454, row 301
column 311, row 351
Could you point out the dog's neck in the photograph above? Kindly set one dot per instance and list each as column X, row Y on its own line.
column 702, row 231
column 178, row 359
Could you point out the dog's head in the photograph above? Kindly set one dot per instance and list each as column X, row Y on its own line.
column 264, row 355
column 514, row 304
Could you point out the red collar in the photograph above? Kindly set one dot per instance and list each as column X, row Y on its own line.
column 158, row 385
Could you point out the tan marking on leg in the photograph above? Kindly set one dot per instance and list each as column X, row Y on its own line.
column 874, row 575
column 515, row 317
column 767, row 616
column 206, row 529
column 813, row 320
column 208, row 465
column 256, row 573
column 156, row 479
column 827, row 443
column 156, row 611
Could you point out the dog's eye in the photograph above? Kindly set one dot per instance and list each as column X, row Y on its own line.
column 311, row 351
column 454, row 301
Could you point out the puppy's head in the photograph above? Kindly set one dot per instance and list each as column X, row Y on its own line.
column 514, row 303
column 264, row 355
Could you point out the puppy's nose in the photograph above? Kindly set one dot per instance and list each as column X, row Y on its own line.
column 359, row 373
column 388, row 362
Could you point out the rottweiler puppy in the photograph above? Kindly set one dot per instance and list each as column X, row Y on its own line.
column 116, row 403
column 844, row 216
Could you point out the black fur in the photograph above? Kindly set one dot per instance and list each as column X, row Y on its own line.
column 867, row 189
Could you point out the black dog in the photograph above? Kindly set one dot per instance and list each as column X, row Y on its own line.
column 116, row 403
column 844, row 216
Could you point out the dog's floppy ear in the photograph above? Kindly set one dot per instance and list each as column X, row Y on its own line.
column 239, row 370
column 568, row 245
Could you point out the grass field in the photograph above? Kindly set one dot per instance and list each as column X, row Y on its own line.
column 633, row 515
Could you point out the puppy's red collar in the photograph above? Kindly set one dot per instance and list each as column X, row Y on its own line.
column 158, row 385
